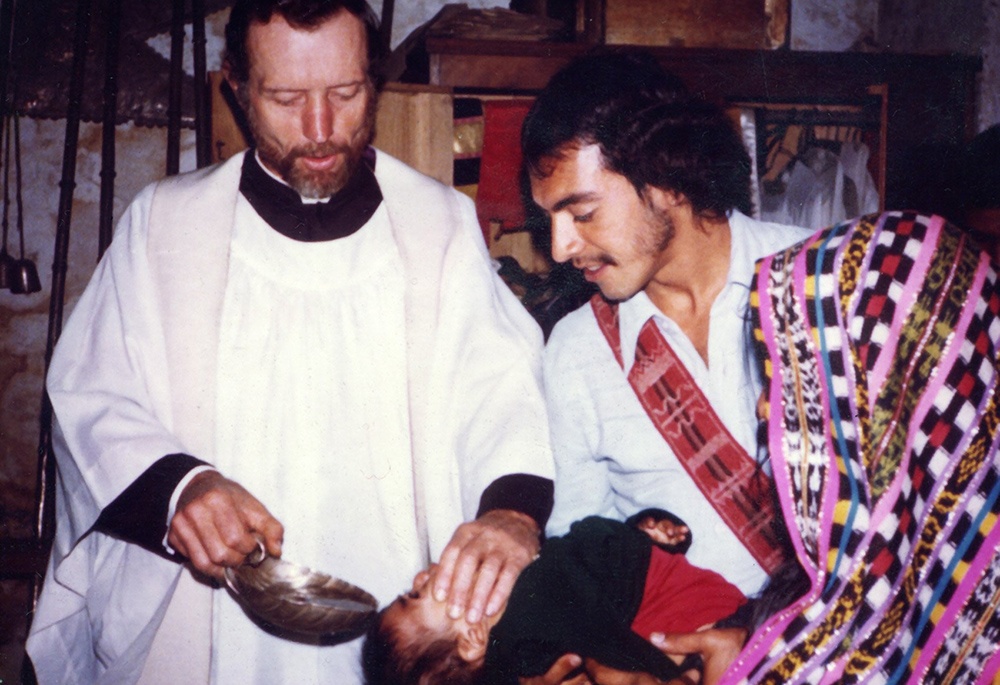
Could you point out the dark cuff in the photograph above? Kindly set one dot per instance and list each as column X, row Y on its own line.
column 139, row 513
column 531, row 495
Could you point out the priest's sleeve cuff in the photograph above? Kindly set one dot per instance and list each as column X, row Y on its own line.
column 531, row 495
column 140, row 514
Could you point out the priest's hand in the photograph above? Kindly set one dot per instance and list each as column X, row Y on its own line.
column 718, row 648
column 478, row 567
column 217, row 523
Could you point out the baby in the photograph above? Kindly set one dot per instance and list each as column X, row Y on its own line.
column 600, row 591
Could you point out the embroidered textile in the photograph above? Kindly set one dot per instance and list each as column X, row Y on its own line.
column 882, row 339
column 724, row 473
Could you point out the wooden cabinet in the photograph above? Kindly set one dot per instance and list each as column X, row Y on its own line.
column 927, row 98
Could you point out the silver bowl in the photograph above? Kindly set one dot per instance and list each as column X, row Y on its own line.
column 299, row 600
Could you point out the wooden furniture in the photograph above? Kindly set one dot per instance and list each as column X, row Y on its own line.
column 927, row 98
column 684, row 23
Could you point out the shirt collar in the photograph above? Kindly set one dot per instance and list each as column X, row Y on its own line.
column 339, row 216
column 633, row 314
column 637, row 310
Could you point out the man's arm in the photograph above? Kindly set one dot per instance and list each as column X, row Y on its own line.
column 496, row 415
column 582, row 486
column 718, row 648
column 111, row 395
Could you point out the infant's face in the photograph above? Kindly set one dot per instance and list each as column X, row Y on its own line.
column 416, row 613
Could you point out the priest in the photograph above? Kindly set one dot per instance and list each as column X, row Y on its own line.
column 305, row 345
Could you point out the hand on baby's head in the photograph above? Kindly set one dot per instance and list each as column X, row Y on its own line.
column 413, row 639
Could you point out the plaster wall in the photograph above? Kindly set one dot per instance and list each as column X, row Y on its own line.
column 835, row 27
column 141, row 159
column 908, row 26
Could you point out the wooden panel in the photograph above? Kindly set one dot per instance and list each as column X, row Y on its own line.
column 227, row 135
column 416, row 124
column 687, row 23
column 413, row 123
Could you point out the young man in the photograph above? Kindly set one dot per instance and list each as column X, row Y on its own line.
column 307, row 344
column 652, row 388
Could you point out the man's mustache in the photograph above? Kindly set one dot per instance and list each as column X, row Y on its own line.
column 322, row 150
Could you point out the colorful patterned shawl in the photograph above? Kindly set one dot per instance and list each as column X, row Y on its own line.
column 882, row 336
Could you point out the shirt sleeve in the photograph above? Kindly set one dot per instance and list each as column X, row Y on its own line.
column 531, row 495
column 582, row 484
column 108, row 384
column 496, row 407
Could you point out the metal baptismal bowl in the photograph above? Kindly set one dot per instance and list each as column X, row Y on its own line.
column 299, row 600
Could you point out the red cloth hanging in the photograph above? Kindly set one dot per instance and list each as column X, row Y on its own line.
column 499, row 196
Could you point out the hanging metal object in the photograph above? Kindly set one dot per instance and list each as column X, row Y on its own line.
column 8, row 264
column 26, row 279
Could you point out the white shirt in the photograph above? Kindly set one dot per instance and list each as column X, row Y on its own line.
column 610, row 458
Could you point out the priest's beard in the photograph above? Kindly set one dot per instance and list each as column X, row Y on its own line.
column 308, row 182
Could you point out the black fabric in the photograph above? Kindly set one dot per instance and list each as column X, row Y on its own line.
column 580, row 596
column 338, row 217
column 139, row 513
column 531, row 495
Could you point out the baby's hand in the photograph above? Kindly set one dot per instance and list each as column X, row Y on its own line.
column 664, row 531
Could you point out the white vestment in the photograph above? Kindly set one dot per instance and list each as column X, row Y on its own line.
column 366, row 390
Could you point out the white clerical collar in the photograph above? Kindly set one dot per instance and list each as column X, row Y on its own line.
column 279, row 179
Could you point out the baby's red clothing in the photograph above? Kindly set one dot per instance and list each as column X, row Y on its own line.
column 681, row 598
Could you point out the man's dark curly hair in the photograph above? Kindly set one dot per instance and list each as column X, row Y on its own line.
column 435, row 661
column 649, row 127
column 302, row 14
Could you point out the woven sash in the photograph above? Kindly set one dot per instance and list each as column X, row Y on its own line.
column 724, row 473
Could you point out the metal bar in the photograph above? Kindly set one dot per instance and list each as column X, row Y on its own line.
column 6, row 48
column 174, row 98
column 202, row 115
column 108, row 120
column 45, row 493
column 385, row 26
